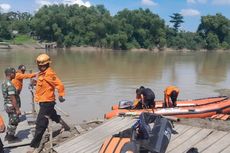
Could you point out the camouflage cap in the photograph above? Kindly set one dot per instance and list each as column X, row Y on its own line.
column 10, row 70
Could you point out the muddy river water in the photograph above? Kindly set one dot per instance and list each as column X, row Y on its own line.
column 96, row 80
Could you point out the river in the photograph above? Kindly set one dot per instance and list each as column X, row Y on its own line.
column 96, row 80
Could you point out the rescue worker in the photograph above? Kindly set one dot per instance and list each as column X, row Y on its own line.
column 147, row 97
column 46, row 84
column 18, row 80
column 171, row 92
column 10, row 104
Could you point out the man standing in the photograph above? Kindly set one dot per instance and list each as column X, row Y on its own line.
column 46, row 84
column 18, row 80
column 171, row 92
column 10, row 104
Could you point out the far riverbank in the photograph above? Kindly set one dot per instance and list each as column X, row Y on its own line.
column 38, row 46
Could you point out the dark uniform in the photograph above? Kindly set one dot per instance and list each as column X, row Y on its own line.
column 149, row 97
column 7, row 90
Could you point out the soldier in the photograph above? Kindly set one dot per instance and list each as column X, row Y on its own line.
column 10, row 104
column 18, row 80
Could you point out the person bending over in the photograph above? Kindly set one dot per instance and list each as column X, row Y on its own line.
column 170, row 96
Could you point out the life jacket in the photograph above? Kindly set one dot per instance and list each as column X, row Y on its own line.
column 47, row 82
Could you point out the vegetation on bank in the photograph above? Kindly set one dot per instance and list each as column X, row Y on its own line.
column 94, row 26
column 22, row 39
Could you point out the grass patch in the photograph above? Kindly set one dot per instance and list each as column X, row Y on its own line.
column 22, row 39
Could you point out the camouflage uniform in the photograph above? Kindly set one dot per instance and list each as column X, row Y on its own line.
column 7, row 90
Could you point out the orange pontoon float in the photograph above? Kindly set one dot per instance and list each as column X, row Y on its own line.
column 180, row 103
column 201, row 108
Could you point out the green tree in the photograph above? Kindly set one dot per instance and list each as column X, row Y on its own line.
column 212, row 41
column 216, row 24
column 177, row 20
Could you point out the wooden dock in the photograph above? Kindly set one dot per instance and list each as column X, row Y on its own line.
column 205, row 140
column 4, row 45
column 23, row 132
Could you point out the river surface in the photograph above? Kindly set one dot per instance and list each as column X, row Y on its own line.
column 94, row 81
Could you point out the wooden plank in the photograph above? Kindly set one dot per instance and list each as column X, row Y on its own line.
column 219, row 116
column 107, row 134
column 197, row 137
column 79, row 129
column 219, row 145
column 96, row 135
column 23, row 132
column 226, row 150
column 17, row 144
column 180, row 131
column 21, row 149
column 69, row 143
column 225, row 117
column 90, row 144
column 94, row 146
column 209, row 140
column 183, row 137
column 214, row 116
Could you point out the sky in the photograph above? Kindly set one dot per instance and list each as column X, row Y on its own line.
column 192, row 10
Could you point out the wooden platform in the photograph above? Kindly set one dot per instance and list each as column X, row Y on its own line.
column 23, row 132
column 205, row 140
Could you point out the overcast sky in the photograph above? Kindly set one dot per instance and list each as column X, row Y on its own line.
column 192, row 10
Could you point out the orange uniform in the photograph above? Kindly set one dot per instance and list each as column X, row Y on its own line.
column 18, row 80
column 46, row 83
column 2, row 125
column 168, row 92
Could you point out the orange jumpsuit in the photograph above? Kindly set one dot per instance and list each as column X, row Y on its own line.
column 45, row 88
column 47, row 82
column 18, row 80
column 167, row 94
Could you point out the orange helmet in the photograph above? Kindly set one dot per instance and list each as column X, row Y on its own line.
column 43, row 59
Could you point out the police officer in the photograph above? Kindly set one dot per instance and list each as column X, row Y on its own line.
column 10, row 104
column 46, row 84
column 18, row 80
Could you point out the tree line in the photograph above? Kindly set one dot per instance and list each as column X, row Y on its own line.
column 73, row 25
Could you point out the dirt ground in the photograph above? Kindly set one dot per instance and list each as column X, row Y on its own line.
column 207, row 123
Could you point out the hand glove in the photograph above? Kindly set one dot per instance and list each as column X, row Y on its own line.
column 61, row 99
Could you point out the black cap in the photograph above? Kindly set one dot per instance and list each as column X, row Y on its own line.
column 22, row 67
column 9, row 70
column 142, row 88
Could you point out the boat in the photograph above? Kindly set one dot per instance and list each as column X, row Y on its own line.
column 180, row 103
column 206, row 107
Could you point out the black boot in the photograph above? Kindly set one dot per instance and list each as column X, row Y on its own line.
column 6, row 137
column 64, row 125
column 12, row 139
